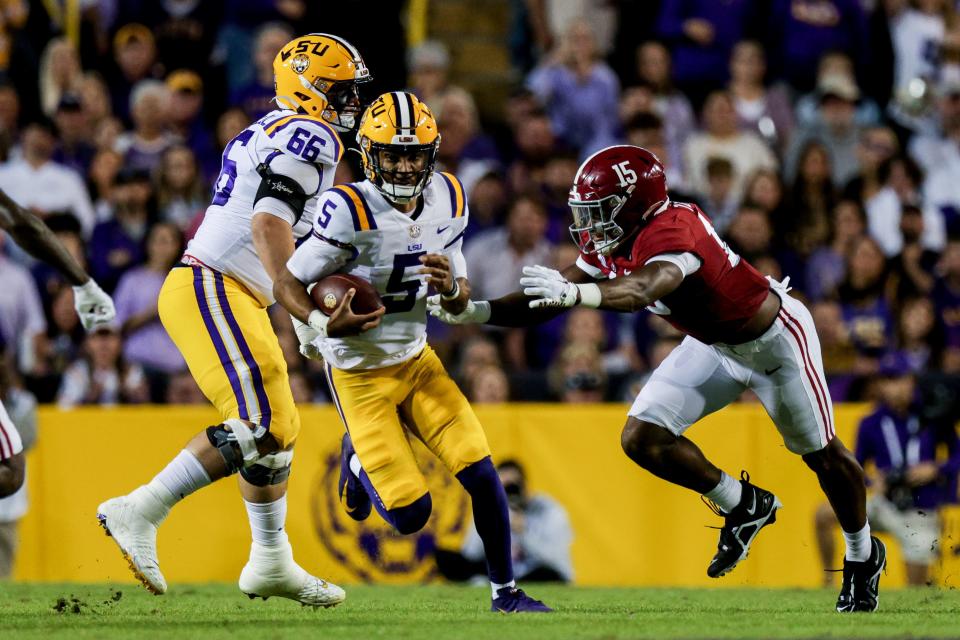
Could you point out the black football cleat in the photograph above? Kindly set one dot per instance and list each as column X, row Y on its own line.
column 353, row 495
column 513, row 600
column 757, row 509
column 861, row 580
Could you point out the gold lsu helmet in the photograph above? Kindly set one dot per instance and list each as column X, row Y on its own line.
column 399, row 123
column 317, row 74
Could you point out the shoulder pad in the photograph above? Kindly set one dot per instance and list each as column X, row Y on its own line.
column 305, row 137
column 455, row 189
column 350, row 196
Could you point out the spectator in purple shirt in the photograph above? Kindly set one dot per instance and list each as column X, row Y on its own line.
column 466, row 150
column 580, row 92
column 917, row 335
column 182, row 193
column 150, row 109
column 701, row 34
column 117, row 244
column 801, row 31
column 135, row 58
column 866, row 314
column 679, row 121
column 764, row 110
column 428, row 68
column 146, row 342
column 186, row 119
column 74, row 148
column 908, row 481
column 256, row 97
column 946, row 299
column 827, row 267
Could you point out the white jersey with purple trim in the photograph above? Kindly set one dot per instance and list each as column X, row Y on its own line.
column 10, row 443
column 303, row 148
column 358, row 231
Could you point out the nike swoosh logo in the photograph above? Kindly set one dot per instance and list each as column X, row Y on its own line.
column 753, row 507
column 772, row 371
column 442, row 229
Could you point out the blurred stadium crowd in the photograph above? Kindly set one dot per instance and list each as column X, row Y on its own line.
column 821, row 136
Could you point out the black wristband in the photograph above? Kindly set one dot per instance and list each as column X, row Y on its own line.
column 452, row 295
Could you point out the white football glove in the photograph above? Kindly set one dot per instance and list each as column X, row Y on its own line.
column 477, row 312
column 549, row 288
column 306, row 335
column 93, row 305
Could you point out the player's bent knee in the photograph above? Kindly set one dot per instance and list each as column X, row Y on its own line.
column 11, row 475
column 414, row 516
column 270, row 469
column 251, row 450
column 831, row 458
column 644, row 441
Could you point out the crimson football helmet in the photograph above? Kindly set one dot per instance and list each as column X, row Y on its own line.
column 615, row 179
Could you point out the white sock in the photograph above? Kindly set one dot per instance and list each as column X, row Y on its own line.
column 858, row 544
column 176, row 481
column 355, row 467
column 727, row 493
column 496, row 587
column 267, row 521
column 183, row 475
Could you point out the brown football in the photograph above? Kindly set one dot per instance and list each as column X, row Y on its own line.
column 328, row 292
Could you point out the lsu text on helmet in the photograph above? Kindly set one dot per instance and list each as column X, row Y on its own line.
column 398, row 129
column 615, row 179
column 317, row 74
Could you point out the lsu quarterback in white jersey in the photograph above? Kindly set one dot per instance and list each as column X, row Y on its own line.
column 213, row 305
column 402, row 230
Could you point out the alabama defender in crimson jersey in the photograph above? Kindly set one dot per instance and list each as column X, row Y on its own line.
column 720, row 298
column 640, row 250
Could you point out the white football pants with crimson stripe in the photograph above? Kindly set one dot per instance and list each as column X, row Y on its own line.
column 10, row 443
column 783, row 367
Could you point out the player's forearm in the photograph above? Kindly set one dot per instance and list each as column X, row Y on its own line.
column 292, row 294
column 36, row 238
column 457, row 304
column 513, row 310
column 273, row 240
column 624, row 296
column 635, row 292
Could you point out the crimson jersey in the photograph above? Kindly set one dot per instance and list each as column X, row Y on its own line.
column 711, row 304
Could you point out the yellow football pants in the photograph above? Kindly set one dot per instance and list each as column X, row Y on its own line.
column 224, row 334
column 376, row 405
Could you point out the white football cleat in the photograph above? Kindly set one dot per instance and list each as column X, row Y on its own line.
column 271, row 571
column 137, row 538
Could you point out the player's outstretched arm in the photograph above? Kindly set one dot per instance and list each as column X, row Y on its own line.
column 641, row 289
column 30, row 232
column 627, row 294
column 292, row 294
column 512, row 310
column 36, row 238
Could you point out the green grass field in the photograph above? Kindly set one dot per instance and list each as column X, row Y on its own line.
column 220, row 611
